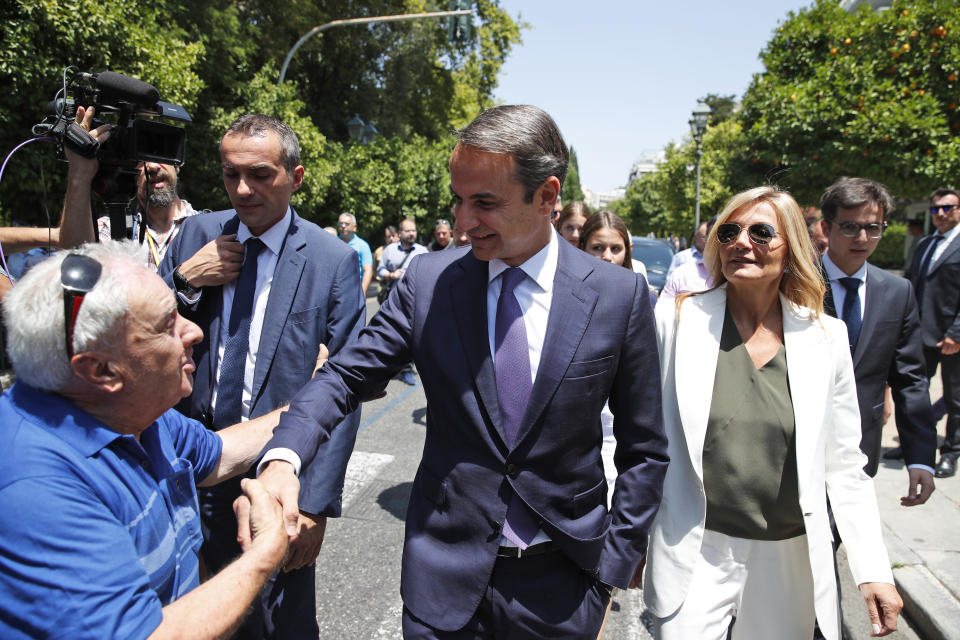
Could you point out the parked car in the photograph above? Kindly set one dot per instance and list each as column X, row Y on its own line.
column 655, row 256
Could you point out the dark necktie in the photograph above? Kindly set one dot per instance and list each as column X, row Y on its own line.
column 851, row 309
column 925, row 266
column 512, row 366
column 237, row 340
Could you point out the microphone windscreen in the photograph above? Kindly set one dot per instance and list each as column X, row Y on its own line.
column 115, row 86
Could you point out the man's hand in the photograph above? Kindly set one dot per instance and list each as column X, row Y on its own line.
column 218, row 262
column 86, row 168
column 883, row 606
column 919, row 489
column 396, row 275
column 260, row 521
column 322, row 358
column 305, row 549
column 948, row 346
column 282, row 483
column 636, row 582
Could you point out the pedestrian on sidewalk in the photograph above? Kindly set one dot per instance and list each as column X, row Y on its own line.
column 743, row 528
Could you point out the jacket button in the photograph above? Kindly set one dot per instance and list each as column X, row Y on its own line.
column 512, row 470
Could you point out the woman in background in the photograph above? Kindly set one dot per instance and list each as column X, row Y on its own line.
column 571, row 220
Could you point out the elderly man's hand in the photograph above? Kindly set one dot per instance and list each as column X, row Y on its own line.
column 86, row 168
column 282, row 483
column 305, row 549
column 948, row 346
column 260, row 522
column 218, row 262
column 883, row 606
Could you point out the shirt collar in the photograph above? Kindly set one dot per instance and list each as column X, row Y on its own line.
column 949, row 235
column 541, row 267
column 273, row 237
column 62, row 418
column 697, row 255
column 835, row 273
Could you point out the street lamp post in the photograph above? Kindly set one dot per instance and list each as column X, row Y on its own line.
column 340, row 23
column 698, row 126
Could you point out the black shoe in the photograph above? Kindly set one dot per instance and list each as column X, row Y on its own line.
column 947, row 467
column 893, row 454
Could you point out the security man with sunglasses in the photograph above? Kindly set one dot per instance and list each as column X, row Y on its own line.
column 883, row 328
column 935, row 274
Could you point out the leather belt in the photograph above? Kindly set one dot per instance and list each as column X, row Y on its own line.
column 533, row 550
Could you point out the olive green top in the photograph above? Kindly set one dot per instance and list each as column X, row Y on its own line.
column 750, row 451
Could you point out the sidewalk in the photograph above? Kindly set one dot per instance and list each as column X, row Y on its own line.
column 924, row 546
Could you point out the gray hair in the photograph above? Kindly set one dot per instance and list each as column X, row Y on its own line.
column 528, row 134
column 850, row 193
column 257, row 125
column 353, row 218
column 33, row 313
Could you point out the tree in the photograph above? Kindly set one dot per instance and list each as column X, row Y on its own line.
column 870, row 93
column 571, row 186
column 722, row 107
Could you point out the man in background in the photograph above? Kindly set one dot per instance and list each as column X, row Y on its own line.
column 347, row 224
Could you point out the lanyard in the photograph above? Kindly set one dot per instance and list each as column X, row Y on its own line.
column 153, row 248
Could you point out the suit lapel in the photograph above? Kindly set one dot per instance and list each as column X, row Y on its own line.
column 809, row 386
column 469, row 294
column 947, row 253
column 876, row 301
column 571, row 308
column 283, row 289
column 699, row 327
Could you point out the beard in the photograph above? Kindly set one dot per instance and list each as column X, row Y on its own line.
column 163, row 197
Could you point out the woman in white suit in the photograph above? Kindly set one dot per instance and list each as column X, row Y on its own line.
column 760, row 408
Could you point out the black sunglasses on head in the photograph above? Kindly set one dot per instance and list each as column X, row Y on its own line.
column 946, row 208
column 759, row 233
column 78, row 275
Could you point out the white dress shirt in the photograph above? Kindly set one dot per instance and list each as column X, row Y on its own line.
column 839, row 291
column 534, row 295
column 272, row 239
column 948, row 237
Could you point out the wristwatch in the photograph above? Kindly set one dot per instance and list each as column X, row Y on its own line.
column 182, row 285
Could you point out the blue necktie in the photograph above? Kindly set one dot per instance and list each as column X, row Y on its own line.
column 925, row 266
column 237, row 340
column 851, row 310
column 512, row 366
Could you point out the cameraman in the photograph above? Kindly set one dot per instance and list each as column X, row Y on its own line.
column 159, row 216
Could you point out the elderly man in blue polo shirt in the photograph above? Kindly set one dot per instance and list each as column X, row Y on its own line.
column 99, row 525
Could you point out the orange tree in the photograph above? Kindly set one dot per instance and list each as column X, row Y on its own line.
column 872, row 94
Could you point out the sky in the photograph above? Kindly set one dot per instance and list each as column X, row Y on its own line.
column 621, row 77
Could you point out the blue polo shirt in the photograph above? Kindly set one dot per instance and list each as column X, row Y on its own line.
column 360, row 245
column 97, row 531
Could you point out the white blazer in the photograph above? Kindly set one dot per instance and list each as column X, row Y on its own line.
column 829, row 460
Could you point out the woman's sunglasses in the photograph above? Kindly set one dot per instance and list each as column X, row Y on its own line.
column 759, row 233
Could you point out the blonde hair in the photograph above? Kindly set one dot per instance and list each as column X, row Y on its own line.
column 802, row 282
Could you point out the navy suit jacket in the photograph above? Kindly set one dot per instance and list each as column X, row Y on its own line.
column 940, row 307
column 600, row 342
column 889, row 351
column 315, row 298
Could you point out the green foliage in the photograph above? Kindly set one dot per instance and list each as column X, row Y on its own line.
column 220, row 58
column 870, row 94
column 571, row 186
column 664, row 202
column 721, row 107
column 889, row 251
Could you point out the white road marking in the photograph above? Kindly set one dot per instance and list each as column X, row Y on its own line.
column 362, row 468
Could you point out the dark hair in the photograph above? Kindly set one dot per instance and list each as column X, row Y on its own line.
column 850, row 193
column 392, row 229
column 528, row 134
column 605, row 219
column 940, row 193
column 257, row 125
column 575, row 208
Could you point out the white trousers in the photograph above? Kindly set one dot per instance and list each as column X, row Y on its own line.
column 766, row 585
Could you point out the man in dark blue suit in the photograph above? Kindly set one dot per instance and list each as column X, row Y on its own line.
column 935, row 273
column 267, row 287
column 519, row 341
column 884, row 329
